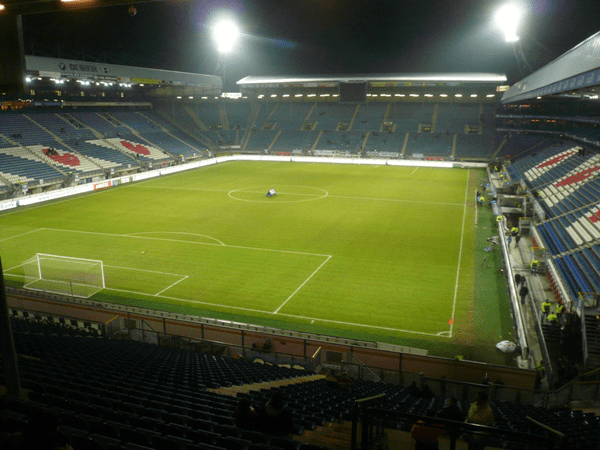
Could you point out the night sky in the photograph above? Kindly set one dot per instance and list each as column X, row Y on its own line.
column 309, row 37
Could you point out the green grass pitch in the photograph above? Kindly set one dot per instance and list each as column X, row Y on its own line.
column 372, row 252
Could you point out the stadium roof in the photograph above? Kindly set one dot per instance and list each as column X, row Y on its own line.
column 486, row 78
column 161, row 82
column 575, row 73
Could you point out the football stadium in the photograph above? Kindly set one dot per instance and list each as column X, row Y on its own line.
column 227, row 259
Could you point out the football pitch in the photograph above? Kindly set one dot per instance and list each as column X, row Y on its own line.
column 369, row 252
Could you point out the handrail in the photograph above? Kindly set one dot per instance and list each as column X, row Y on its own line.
column 112, row 319
column 362, row 365
column 546, row 427
column 584, row 343
column 543, row 346
column 591, row 372
column 455, row 429
column 584, row 338
column 368, row 399
column 316, row 353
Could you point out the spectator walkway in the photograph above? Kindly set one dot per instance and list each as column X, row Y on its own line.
column 539, row 290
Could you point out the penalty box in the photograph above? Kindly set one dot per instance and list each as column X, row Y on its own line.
column 206, row 270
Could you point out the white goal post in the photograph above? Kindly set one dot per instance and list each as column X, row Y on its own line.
column 77, row 277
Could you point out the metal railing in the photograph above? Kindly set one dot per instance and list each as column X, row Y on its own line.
column 377, row 422
column 542, row 341
column 363, row 372
column 520, row 327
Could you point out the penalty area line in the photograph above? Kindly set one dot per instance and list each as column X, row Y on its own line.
column 196, row 302
column 302, row 285
column 22, row 234
column 169, row 287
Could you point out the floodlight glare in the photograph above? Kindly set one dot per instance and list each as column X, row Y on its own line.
column 507, row 18
column 225, row 34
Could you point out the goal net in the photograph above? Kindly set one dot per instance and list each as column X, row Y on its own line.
column 77, row 277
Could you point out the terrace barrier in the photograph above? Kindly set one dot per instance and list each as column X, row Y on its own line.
column 390, row 363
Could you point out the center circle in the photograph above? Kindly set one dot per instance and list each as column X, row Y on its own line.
column 286, row 193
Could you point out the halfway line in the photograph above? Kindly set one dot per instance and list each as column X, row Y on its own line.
column 310, row 195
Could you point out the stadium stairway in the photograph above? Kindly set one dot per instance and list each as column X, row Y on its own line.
column 333, row 435
column 590, row 333
column 336, row 436
column 233, row 391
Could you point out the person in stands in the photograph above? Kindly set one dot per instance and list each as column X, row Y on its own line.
column 245, row 415
column 451, row 411
column 534, row 265
column 561, row 312
column 480, row 411
column 426, row 432
column 42, row 433
column 546, row 309
column 275, row 418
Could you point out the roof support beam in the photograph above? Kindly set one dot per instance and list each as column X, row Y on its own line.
column 18, row 7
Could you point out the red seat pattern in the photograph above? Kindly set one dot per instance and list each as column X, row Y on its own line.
column 68, row 159
column 578, row 177
column 137, row 148
column 555, row 160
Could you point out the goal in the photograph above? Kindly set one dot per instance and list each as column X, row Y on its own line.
column 77, row 277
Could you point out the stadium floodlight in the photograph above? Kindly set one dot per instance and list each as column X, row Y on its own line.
column 1, row 7
column 507, row 18
column 225, row 33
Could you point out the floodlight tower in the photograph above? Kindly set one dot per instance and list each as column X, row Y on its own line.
column 508, row 19
column 225, row 34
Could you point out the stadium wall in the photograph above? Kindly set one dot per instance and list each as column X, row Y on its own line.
column 391, row 366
